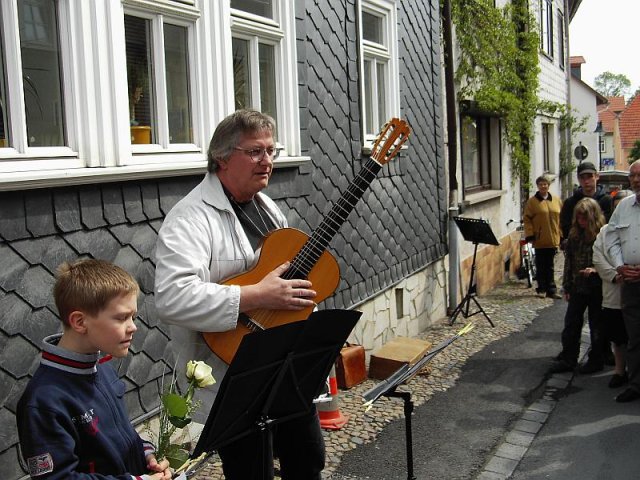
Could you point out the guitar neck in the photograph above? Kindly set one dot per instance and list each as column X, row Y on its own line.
column 319, row 240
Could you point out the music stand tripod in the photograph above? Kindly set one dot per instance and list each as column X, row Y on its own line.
column 274, row 377
column 477, row 231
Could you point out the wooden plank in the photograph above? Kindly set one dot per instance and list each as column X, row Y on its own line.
column 395, row 353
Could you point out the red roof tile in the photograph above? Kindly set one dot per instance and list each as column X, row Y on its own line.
column 630, row 123
column 606, row 113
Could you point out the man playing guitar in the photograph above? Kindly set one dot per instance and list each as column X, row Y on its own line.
column 215, row 233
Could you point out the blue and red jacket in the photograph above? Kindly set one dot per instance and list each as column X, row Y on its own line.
column 72, row 422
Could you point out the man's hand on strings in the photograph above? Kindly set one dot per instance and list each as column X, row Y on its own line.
column 276, row 293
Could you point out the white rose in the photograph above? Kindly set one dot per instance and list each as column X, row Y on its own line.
column 201, row 373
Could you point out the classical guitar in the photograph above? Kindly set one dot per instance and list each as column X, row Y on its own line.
column 307, row 254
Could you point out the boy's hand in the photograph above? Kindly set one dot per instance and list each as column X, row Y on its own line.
column 162, row 467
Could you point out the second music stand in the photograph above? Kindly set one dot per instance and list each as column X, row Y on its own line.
column 477, row 231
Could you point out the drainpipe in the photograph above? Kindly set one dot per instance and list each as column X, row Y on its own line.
column 452, row 150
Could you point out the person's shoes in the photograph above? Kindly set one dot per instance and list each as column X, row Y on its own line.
column 629, row 395
column 561, row 366
column 590, row 367
column 618, row 380
column 554, row 295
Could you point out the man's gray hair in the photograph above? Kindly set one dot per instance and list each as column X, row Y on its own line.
column 227, row 134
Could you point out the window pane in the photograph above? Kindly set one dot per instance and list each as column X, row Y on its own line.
column 141, row 95
column 241, row 77
column 4, row 126
column 178, row 98
column 41, row 74
column 268, row 80
column 382, row 94
column 372, row 28
column 368, row 101
column 470, row 156
column 264, row 8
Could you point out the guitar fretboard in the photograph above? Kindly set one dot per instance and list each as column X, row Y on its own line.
column 318, row 242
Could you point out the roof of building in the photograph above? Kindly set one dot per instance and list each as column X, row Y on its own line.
column 630, row 123
column 607, row 112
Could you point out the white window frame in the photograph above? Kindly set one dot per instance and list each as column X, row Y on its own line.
column 157, row 152
column 280, row 33
column 93, row 62
column 20, row 157
column 546, row 27
column 387, row 53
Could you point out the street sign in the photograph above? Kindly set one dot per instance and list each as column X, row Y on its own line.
column 581, row 152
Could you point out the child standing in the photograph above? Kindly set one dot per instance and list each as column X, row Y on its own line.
column 71, row 417
column 582, row 289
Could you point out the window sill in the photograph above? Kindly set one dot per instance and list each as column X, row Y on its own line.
column 475, row 198
column 28, row 180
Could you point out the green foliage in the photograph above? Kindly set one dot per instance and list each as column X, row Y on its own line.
column 612, row 84
column 635, row 152
column 498, row 68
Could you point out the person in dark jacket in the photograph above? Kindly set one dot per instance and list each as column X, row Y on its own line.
column 72, row 421
column 582, row 290
column 588, row 178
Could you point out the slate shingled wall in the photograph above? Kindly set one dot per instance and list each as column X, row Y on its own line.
column 399, row 226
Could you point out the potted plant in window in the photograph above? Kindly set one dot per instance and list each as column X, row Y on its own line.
column 138, row 78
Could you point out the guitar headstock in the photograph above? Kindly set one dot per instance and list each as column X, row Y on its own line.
column 390, row 139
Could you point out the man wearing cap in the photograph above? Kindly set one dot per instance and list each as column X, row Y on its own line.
column 622, row 239
column 588, row 178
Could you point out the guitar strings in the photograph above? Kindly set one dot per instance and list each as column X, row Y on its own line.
column 313, row 248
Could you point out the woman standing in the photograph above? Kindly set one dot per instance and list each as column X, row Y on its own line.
column 542, row 229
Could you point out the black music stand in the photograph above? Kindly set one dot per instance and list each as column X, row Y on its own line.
column 274, row 377
column 477, row 231
column 405, row 373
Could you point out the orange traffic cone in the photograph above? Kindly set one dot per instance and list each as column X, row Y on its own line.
column 330, row 416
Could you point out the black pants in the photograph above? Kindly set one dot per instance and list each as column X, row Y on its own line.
column 631, row 315
column 298, row 443
column 573, row 321
column 544, row 270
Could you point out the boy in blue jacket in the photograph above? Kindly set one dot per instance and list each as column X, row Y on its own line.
column 72, row 422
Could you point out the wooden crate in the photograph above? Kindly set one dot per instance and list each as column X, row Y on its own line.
column 392, row 355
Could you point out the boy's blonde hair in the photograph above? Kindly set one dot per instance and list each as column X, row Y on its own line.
column 595, row 219
column 89, row 285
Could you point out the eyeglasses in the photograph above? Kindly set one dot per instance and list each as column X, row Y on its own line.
column 257, row 154
column 634, row 175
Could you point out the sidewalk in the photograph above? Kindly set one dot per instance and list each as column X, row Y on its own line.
column 511, row 306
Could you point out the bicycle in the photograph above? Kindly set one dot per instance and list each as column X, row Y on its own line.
column 527, row 269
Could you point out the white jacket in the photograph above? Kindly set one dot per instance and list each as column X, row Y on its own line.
column 604, row 265
column 200, row 244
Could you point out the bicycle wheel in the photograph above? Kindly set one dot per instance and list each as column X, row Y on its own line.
column 529, row 269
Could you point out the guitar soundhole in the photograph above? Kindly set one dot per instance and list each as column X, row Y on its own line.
column 248, row 322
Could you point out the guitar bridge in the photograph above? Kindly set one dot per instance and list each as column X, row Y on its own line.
column 248, row 322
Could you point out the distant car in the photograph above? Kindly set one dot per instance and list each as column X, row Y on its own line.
column 614, row 180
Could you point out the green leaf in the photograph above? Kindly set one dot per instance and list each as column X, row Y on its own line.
column 179, row 422
column 176, row 405
column 176, row 456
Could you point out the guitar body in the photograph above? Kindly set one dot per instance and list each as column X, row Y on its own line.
column 279, row 246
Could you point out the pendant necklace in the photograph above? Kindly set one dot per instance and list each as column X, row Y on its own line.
column 255, row 226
